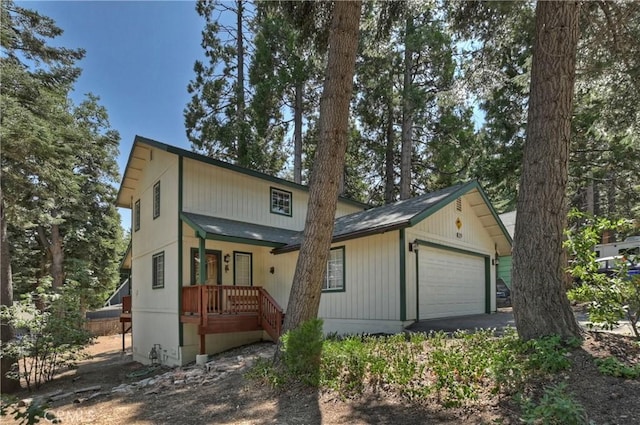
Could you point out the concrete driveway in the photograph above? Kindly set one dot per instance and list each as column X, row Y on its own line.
column 497, row 321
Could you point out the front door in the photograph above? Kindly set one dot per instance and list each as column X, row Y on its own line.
column 213, row 269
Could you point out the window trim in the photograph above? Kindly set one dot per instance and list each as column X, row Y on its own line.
column 154, row 272
column 250, row 254
column 344, row 272
column 156, row 205
column 275, row 211
column 136, row 216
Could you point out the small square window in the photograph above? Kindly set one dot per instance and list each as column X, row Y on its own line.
column 334, row 277
column 158, row 270
column 280, row 202
column 136, row 216
column 156, row 200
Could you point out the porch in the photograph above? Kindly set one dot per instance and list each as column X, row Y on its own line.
column 227, row 309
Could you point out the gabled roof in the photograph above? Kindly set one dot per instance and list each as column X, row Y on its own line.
column 223, row 229
column 139, row 155
column 409, row 212
column 125, row 264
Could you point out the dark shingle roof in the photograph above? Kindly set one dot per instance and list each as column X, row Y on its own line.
column 225, row 229
column 397, row 215
column 387, row 217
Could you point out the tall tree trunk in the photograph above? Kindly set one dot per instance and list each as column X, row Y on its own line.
column 243, row 149
column 407, row 114
column 304, row 299
column 540, row 302
column 7, row 384
column 389, row 156
column 54, row 254
column 57, row 257
column 297, row 134
column 590, row 196
column 611, row 193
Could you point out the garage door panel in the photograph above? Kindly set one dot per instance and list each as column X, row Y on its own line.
column 450, row 283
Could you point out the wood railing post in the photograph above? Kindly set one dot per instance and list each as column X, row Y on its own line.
column 203, row 305
column 260, row 301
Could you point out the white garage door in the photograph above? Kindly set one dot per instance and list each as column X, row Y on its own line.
column 450, row 284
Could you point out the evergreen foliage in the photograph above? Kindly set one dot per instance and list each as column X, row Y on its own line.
column 58, row 164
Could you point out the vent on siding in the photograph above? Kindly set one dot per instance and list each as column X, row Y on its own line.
column 459, row 204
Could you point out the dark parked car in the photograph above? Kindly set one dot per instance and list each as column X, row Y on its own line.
column 503, row 294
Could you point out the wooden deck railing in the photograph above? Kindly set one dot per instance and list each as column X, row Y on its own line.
column 205, row 302
column 126, row 304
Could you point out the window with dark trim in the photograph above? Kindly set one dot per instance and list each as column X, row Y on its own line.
column 136, row 216
column 242, row 268
column 335, row 273
column 158, row 270
column 280, row 202
column 156, row 200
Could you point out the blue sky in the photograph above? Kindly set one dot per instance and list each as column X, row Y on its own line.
column 139, row 60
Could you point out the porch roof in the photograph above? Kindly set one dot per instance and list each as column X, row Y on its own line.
column 223, row 229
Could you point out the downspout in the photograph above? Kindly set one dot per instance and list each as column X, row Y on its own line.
column 416, row 249
column 403, row 277
column 180, row 258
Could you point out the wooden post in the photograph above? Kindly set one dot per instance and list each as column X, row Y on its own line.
column 203, row 261
column 202, row 344
column 203, row 316
column 260, row 301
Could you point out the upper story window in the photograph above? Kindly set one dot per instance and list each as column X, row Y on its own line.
column 136, row 216
column 156, row 200
column 280, row 202
column 334, row 277
column 158, row 271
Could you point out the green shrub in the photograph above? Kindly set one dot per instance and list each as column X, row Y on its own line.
column 302, row 351
column 48, row 338
column 548, row 354
column 29, row 415
column 614, row 367
column 264, row 370
column 555, row 407
column 610, row 298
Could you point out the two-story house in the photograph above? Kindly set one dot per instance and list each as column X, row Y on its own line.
column 214, row 250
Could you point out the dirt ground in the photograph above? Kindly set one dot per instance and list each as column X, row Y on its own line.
column 233, row 399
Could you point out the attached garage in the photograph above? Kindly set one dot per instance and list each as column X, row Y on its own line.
column 451, row 283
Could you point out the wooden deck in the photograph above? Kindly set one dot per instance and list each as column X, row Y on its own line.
column 226, row 309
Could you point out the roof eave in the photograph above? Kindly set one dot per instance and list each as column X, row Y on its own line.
column 348, row 236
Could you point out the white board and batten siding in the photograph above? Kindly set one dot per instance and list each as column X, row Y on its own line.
column 155, row 310
column 451, row 282
column 219, row 192
column 371, row 299
column 370, row 302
